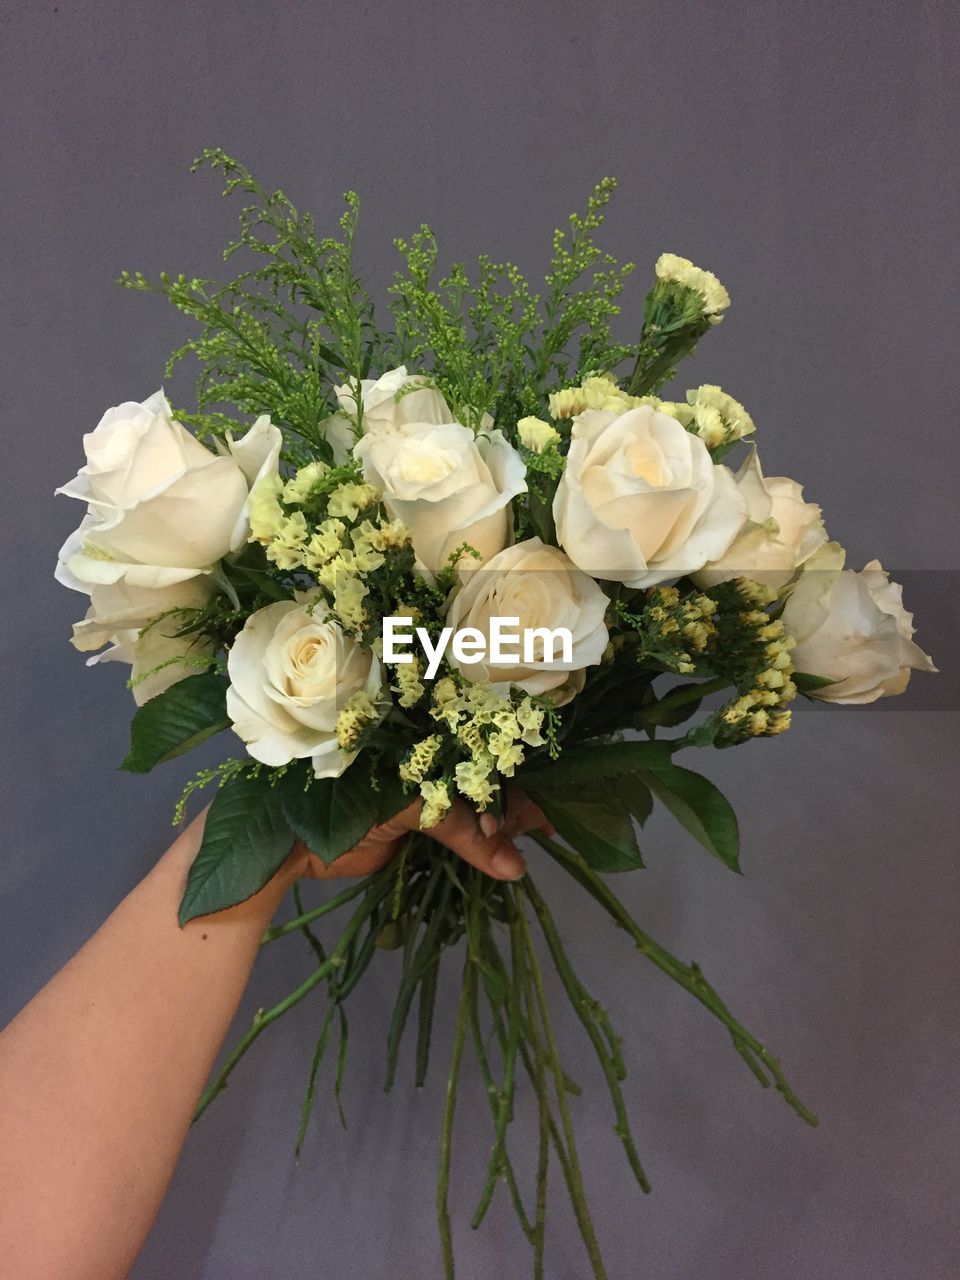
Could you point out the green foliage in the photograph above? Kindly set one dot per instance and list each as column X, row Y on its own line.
column 246, row 839
column 673, row 324
column 699, row 807
column 278, row 335
column 494, row 345
column 329, row 814
column 176, row 721
column 585, row 763
column 596, row 822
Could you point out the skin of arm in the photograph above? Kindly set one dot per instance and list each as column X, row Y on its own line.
column 101, row 1071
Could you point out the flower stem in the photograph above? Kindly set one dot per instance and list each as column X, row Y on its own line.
column 573, row 1171
column 688, row 976
column 690, row 693
column 450, row 1103
column 586, row 1010
column 302, row 921
column 377, row 889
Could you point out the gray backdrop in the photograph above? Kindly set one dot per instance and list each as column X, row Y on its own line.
column 802, row 151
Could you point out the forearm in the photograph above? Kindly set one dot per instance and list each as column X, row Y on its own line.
column 100, row 1073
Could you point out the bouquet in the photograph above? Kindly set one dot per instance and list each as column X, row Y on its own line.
column 466, row 557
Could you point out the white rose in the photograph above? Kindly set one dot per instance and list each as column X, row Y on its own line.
column 132, row 621
column 538, row 585
column 394, row 400
column 161, row 507
column 290, row 676
column 780, row 533
column 852, row 628
column 390, row 403
column 447, row 485
column 641, row 501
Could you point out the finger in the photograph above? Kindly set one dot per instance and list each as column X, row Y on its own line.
column 522, row 815
column 496, row 856
column 364, row 860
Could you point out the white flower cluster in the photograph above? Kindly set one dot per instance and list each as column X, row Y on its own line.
column 422, row 515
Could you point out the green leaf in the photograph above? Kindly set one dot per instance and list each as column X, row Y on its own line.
column 589, row 762
column 597, row 824
column 177, row 720
column 698, row 806
column 807, row 683
column 263, row 581
column 393, row 796
column 245, row 840
column 636, row 796
column 330, row 814
column 670, row 716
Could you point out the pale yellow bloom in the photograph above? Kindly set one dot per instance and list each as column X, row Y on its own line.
column 436, row 802
column 348, row 598
column 421, row 759
column 287, row 545
column 266, row 514
column 408, row 684
column 473, row 780
column 537, row 435
column 714, row 295
column 359, row 711
column 298, row 487
column 325, row 543
column 349, row 499
column 716, row 417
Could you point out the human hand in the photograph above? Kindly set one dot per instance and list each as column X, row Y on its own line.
column 480, row 841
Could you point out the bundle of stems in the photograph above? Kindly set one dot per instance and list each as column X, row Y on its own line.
column 425, row 902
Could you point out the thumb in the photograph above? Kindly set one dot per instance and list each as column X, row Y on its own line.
column 497, row 856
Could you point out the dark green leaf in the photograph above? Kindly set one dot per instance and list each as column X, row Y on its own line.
column 245, row 840
column 177, row 720
column 263, row 581
column 596, row 823
column 700, row 807
column 636, row 796
column 590, row 762
column 668, row 716
column 392, row 796
column 330, row 814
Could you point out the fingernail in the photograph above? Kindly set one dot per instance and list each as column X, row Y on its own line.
column 507, row 864
column 488, row 824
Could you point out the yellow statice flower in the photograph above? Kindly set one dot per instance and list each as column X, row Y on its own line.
column 266, row 514
column 567, row 403
column 530, row 721
column 436, row 803
column 325, row 543
column 360, row 710
column 348, row 597
column 537, row 435
column 473, row 780
column 408, row 683
column 507, row 752
column 394, row 534
column 682, row 271
column 672, row 408
column 349, row 499
column 286, row 547
column 298, row 487
column 716, row 417
column 421, row 758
